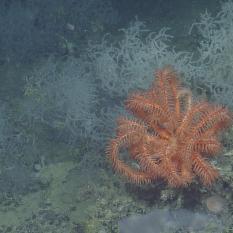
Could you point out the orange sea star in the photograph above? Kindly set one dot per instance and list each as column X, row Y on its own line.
column 170, row 137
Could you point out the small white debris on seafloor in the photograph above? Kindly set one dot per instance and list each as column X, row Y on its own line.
column 70, row 26
column 215, row 204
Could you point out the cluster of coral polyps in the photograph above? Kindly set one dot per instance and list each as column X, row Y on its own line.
column 170, row 137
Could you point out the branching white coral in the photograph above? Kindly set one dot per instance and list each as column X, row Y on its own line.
column 215, row 68
column 64, row 95
column 130, row 62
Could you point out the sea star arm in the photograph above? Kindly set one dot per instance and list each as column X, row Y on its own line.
column 204, row 170
column 142, row 107
column 217, row 118
column 134, row 175
column 208, row 146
